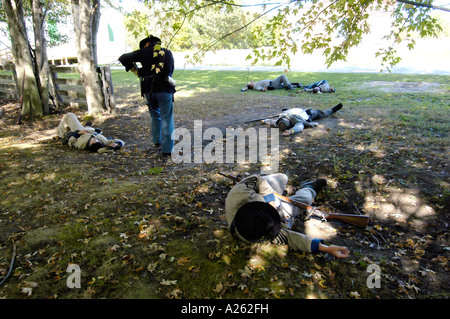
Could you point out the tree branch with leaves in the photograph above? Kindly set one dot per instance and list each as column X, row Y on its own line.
column 330, row 28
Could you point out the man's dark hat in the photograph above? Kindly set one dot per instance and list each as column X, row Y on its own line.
column 150, row 39
column 283, row 124
column 257, row 220
column 94, row 147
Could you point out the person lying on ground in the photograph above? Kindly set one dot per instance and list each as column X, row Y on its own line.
column 264, row 85
column 254, row 214
column 72, row 133
column 292, row 121
column 319, row 87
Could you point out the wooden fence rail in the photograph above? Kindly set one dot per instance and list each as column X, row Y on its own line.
column 8, row 81
column 66, row 86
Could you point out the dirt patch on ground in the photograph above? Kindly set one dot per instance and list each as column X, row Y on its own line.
column 406, row 87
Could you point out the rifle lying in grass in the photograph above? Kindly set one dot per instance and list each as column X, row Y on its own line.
column 264, row 118
column 355, row 220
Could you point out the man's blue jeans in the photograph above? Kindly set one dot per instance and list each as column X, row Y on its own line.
column 160, row 105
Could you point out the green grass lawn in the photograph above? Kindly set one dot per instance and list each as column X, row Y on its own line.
column 140, row 228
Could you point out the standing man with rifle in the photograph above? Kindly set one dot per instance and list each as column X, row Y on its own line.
column 255, row 214
column 157, row 86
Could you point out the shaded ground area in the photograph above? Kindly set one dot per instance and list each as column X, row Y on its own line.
column 142, row 228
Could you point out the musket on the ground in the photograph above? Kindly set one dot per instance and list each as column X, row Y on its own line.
column 267, row 117
column 355, row 220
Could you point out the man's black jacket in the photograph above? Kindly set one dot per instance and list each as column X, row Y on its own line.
column 151, row 81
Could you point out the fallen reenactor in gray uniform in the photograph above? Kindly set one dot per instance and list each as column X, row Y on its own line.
column 292, row 121
column 254, row 214
column 72, row 133
column 280, row 82
column 319, row 87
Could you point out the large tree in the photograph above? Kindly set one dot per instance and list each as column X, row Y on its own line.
column 31, row 61
column 29, row 82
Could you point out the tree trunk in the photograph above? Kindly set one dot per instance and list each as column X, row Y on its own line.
column 95, row 25
column 32, row 103
column 83, row 16
column 41, row 58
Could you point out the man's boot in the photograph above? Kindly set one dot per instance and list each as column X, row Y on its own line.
column 319, row 114
column 318, row 185
column 337, row 108
column 289, row 87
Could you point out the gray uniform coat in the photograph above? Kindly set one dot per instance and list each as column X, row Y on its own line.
column 257, row 188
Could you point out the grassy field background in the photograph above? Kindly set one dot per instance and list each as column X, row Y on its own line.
column 139, row 227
